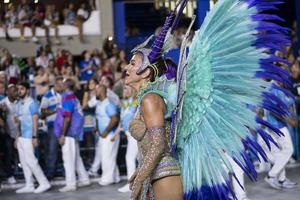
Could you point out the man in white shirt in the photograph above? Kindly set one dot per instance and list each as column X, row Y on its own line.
column 49, row 104
column 106, row 149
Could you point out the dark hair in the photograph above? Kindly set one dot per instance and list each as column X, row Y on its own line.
column 93, row 79
column 109, row 79
column 165, row 67
column 39, row 67
column 25, row 85
column 70, row 83
column 59, row 78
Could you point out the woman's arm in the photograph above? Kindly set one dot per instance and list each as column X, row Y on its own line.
column 86, row 98
column 153, row 110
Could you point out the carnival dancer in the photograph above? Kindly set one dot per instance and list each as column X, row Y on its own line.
column 205, row 100
column 69, row 128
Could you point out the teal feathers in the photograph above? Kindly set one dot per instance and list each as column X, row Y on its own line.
column 220, row 81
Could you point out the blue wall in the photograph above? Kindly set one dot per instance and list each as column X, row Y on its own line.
column 201, row 11
column 119, row 23
column 298, row 21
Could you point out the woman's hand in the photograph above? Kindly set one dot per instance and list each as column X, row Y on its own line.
column 131, row 180
column 136, row 190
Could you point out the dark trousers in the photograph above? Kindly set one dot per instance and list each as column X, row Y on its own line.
column 52, row 151
column 7, row 150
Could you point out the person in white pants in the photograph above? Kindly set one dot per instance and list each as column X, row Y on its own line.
column 239, row 191
column 68, row 139
column 26, row 140
column 107, row 118
column 128, row 109
column 279, row 157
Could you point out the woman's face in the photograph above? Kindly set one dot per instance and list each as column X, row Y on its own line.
column 131, row 69
column 41, row 72
column 70, row 59
column 122, row 54
column 104, row 81
column 51, row 64
column 87, row 56
column 92, row 85
column 69, row 71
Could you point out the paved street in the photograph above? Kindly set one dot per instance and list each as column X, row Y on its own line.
column 256, row 191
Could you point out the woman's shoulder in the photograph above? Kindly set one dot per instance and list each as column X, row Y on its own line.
column 152, row 101
column 151, row 98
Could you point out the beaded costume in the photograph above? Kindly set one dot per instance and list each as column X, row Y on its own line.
column 155, row 142
column 226, row 68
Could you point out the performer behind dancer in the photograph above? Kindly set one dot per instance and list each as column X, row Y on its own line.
column 106, row 150
column 279, row 157
column 69, row 140
column 26, row 141
column 128, row 109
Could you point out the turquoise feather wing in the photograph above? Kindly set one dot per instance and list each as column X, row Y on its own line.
column 225, row 72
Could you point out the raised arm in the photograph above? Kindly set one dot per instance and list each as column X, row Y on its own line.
column 153, row 110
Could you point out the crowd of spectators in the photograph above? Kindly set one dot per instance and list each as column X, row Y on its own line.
column 44, row 71
column 45, row 16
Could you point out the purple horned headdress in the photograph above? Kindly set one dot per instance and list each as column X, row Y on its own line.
column 161, row 43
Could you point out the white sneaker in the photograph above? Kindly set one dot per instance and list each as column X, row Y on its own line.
column 117, row 180
column 124, row 189
column 104, row 183
column 94, row 174
column 26, row 189
column 23, row 39
column 35, row 39
column 83, row 183
column 273, row 182
column 42, row 188
column 68, row 189
column 288, row 184
column 11, row 180
column 260, row 166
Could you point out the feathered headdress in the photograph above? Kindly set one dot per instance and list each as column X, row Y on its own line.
column 162, row 42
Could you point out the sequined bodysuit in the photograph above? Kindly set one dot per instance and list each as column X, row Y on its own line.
column 165, row 164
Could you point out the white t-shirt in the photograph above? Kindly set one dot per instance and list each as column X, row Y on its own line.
column 13, row 71
column 113, row 97
column 42, row 61
column 51, row 101
column 83, row 13
column 104, row 111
